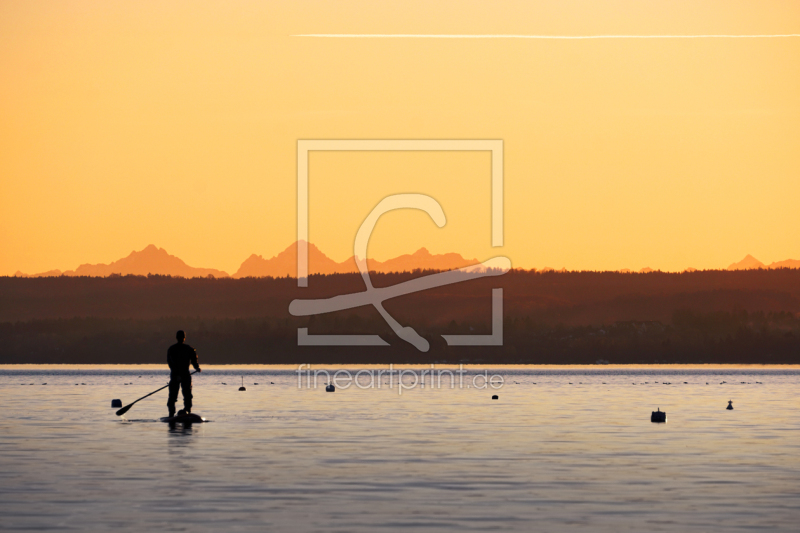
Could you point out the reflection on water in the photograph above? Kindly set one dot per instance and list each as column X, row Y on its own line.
column 561, row 450
column 177, row 431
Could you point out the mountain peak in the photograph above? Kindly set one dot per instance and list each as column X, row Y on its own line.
column 748, row 263
column 285, row 263
column 149, row 260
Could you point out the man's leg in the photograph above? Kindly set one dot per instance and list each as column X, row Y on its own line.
column 174, row 386
column 186, row 386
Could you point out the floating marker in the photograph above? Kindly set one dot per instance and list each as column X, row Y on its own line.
column 495, row 397
column 658, row 416
column 116, row 403
column 730, row 405
column 330, row 388
column 242, row 387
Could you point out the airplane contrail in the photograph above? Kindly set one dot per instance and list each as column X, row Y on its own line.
column 551, row 37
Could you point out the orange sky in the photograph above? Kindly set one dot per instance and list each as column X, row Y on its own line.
column 175, row 123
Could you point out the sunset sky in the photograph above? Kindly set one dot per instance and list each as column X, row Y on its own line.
column 176, row 123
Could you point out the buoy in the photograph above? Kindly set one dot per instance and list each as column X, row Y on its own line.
column 330, row 388
column 658, row 416
column 495, row 397
column 116, row 403
column 730, row 405
column 242, row 387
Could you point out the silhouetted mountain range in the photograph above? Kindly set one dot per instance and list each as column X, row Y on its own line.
column 285, row 263
column 153, row 260
column 750, row 262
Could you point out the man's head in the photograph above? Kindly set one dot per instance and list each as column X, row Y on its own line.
column 181, row 336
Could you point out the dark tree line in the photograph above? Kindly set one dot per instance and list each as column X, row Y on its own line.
column 551, row 317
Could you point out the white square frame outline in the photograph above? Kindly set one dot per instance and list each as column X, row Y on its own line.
column 304, row 146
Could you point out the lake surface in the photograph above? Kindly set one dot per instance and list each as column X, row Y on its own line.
column 562, row 449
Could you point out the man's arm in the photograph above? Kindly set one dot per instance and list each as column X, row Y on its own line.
column 195, row 364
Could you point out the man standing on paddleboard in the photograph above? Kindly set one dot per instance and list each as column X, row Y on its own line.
column 179, row 357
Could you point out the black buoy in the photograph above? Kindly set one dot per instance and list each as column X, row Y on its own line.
column 116, row 403
column 658, row 416
column 730, row 405
column 495, row 397
column 330, row 388
column 242, row 387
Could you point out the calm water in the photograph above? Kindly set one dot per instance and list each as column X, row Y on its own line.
column 549, row 456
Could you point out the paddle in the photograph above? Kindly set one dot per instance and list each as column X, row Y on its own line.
column 128, row 407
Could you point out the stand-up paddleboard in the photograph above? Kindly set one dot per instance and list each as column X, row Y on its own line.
column 184, row 419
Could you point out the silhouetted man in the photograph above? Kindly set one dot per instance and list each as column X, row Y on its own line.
column 179, row 357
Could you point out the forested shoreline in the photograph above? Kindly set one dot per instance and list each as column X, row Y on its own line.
column 549, row 318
